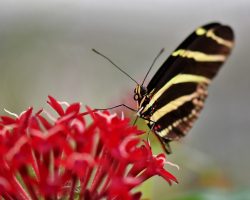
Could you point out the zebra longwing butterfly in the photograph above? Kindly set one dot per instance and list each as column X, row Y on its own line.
column 174, row 97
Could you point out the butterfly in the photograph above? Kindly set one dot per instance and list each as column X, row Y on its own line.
column 175, row 96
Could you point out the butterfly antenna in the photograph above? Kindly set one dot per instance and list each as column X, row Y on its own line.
column 158, row 55
column 97, row 52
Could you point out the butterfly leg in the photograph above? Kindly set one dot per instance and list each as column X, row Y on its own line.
column 135, row 120
column 151, row 129
column 120, row 105
column 164, row 142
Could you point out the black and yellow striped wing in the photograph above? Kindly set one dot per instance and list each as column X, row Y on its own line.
column 179, row 88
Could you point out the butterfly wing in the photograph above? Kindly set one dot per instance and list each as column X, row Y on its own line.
column 179, row 88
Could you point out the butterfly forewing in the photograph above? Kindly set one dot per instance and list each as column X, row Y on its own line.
column 179, row 88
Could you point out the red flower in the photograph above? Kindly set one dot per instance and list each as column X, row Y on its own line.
column 63, row 157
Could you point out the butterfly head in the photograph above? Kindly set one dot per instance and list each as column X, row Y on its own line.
column 140, row 94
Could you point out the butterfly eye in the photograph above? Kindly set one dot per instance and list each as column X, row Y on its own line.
column 136, row 96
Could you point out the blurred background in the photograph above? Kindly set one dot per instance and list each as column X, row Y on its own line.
column 45, row 49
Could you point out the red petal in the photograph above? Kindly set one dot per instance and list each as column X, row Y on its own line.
column 54, row 104
column 24, row 118
column 167, row 176
column 8, row 120
column 75, row 108
column 44, row 122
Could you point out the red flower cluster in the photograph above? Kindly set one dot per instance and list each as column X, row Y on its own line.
column 63, row 157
